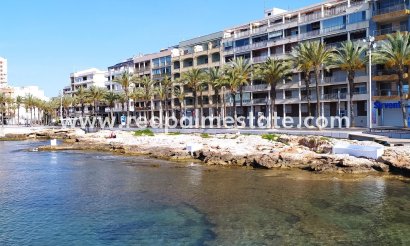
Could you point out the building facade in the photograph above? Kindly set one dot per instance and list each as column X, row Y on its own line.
column 275, row 35
column 3, row 71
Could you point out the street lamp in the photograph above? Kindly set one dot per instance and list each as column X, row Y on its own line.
column 370, row 41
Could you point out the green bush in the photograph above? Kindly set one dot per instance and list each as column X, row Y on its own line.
column 270, row 137
column 174, row 133
column 146, row 132
column 205, row 135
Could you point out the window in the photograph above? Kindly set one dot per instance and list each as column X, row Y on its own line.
column 242, row 42
column 337, row 21
column 357, row 17
column 84, row 78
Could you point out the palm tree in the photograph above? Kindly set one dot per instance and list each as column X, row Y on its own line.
column 193, row 79
column 96, row 95
column 216, row 81
column 82, row 98
column 179, row 94
column 244, row 70
column 29, row 102
column 125, row 80
column 395, row 54
column 19, row 102
column 166, row 84
column 301, row 61
column 66, row 102
column 321, row 57
column 148, row 85
column 233, row 79
column 110, row 98
column 273, row 71
column 350, row 58
column 3, row 102
column 136, row 95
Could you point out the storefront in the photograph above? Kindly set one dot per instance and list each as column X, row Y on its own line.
column 389, row 113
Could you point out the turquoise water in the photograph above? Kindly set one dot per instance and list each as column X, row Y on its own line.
column 86, row 198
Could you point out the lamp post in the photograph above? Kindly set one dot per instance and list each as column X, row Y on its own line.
column 370, row 41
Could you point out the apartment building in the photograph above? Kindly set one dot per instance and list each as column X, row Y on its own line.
column 331, row 22
column 389, row 16
column 203, row 53
column 85, row 79
column 3, row 71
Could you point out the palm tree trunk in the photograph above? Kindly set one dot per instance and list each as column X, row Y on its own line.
column 351, row 87
column 317, row 74
column 235, row 111
column 194, row 92
column 241, row 98
column 202, row 108
column 307, row 86
column 217, row 103
column 272, row 104
column 128, row 106
column 402, row 100
column 18, row 115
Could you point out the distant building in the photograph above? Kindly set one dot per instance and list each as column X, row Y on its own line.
column 85, row 79
column 3, row 72
column 21, row 115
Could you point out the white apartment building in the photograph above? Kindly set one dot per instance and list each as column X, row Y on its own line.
column 22, row 115
column 3, row 71
column 86, row 79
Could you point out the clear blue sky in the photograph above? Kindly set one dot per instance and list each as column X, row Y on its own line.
column 45, row 40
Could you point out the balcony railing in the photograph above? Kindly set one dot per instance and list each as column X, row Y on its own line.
column 334, row 96
column 261, row 87
column 259, row 59
column 259, row 30
column 390, row 9
column 163, row 64
column 310, row 34
column 310, row 17
column 336, row 10
column 386, row 93
column 242, row 34
column 333, row 28
column 242, row 48
column 260, row 100
column 401, row 28
column 258, row 45
column 335, row 78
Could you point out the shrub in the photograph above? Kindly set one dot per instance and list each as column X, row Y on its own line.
column 270, row 137
column 205, row 135
column 146, row 132
column 174, row 133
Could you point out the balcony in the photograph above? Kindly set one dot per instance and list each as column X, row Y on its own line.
column 336, row 10
column 381, row 33
column 260, row 30
column 260, row 101
column 334, row 96
column 386, row 94
column 391, row 13
column 259, row 59
column 333, row 29
column 309, row 34
column 163, row 64
column 243, row 48
column 387, row 75
column 261, row 87
column 242, row 34
column 311, row 17
column 259, row 45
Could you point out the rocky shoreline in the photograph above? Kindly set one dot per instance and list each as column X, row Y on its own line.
column 311, row 153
